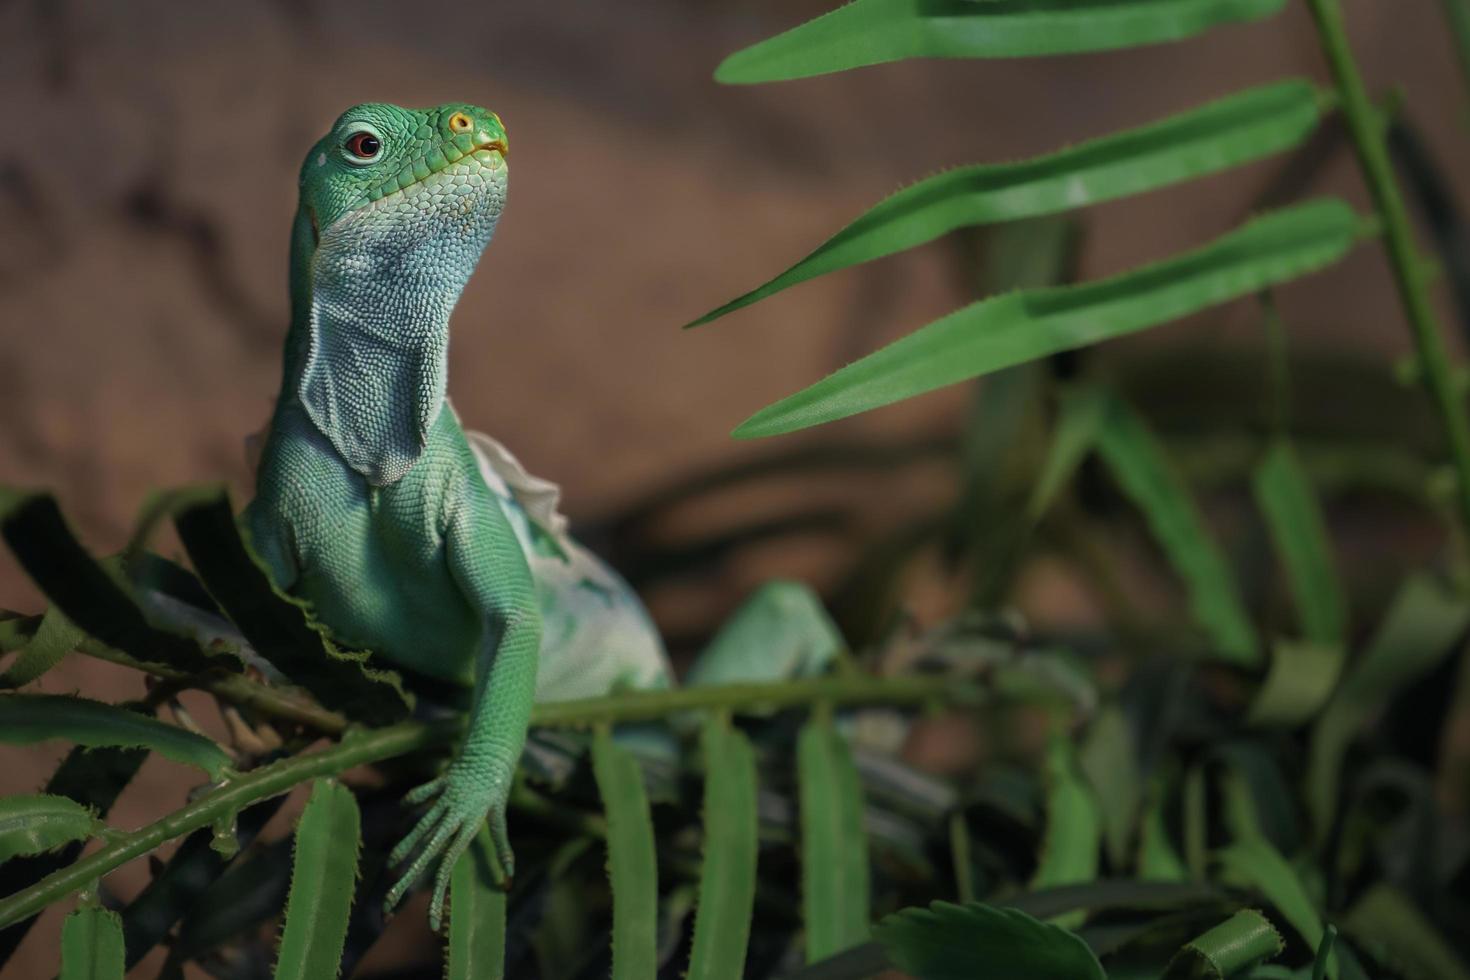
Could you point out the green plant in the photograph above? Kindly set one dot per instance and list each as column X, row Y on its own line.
column 1214, row 816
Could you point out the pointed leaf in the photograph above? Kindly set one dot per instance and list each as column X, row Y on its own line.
column 54, row 638
column 91, row 777
column 1070, row 848
column 1387, row 924
column 1109, row 759
column 92, row 945
column 1079, row 423
column 1246, row 126
column 323, row 881
column 1421, row 627
column 278, row 626
column 963, row 942
column 36, row 824
column 1138, row 462
column 1025, row 325
column 1286, row 498
column 727, row 879
column 834, row 846
column 1251, row 862
column 476, row 915
column 91, row 595
column 28, row 718
column 871, row 32
column 631, row 861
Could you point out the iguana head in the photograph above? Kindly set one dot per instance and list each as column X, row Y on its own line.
column 396, row 164
column 396, row 207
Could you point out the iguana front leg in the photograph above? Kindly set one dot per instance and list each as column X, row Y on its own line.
column 487, row 564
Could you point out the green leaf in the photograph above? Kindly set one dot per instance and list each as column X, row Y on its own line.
column 54, row 638
column 1251, row 862
column 1109, row 759
column 92, row 945
column 323, row 881
column 476, row 914
column 631, row 861
column 180, row 889
column 280, row 627
column 1240, row 942
column 91, row 595
column 963, row 942
column 1082, row 412
column 834, row 844
column 29, row 718
column 727, row 879
column 1070, row 848
column 1246, row 126
column 1158, row 859
column 1299, row 682
column 1022, row 326
column 1385, row 923
column 91, row 777
column 36, row 824
column 1138, row 462
column 1290, row 506
column 871, row 32
column 1421, row 627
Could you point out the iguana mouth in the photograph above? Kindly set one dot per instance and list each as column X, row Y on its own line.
column 442, row 156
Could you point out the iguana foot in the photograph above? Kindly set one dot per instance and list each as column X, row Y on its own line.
column 461, row 801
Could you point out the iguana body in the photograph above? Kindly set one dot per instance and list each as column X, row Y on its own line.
column 430, row 547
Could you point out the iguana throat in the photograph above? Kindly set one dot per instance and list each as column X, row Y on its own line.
column 374, row 293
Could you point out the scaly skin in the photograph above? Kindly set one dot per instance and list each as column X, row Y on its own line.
column 369, row 501
column 411, row 538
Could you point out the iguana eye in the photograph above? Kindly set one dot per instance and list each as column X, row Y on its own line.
column 363, row 145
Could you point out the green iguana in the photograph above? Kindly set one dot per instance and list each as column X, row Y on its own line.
column 426, row 544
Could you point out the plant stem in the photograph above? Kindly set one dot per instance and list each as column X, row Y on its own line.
column 235, row 688
column 365, row 747
column 753, row 698
column 1457, row 12
column 1368, row 135
column 235, row 795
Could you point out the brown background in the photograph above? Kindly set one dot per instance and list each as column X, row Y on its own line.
column 147, row 179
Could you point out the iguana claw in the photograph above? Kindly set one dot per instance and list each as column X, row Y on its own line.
column 445, row 832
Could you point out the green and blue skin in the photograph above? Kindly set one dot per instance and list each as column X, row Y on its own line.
column 373, row 504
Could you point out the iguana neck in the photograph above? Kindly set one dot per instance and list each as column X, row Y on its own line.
column 367, row 354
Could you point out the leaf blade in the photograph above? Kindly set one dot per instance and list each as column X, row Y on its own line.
column 1070, row 847
column 87, row 591
column 631, row 860
column 92, row 945
column 1422, row 623
column 1023, row 326
column 727, row 879
column 1286, row 498
column 55, row 637
column 1240, row 942
column 1252, row 862
column 870, row 32
column 279, row 626
column 1143, row 470
column 39, row 823
column 834, row 870
column 1245, row 126
column 951, row 942
column 476, row 915
column 30, row 718
column 323, row 880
